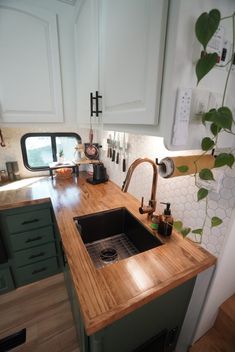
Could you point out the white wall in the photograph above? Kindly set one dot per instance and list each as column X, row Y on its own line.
column 182, row 50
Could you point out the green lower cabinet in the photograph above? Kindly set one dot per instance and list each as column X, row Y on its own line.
column 153, row 327
column 32, row 241
column 6, row 281
column 36, row 271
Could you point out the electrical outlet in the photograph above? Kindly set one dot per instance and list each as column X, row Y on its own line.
column 182, row 114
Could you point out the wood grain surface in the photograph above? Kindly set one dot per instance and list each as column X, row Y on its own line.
column 43, row 308
column 109, row 293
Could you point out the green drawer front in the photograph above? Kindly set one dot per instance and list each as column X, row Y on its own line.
column 28, row 221
column 29, row 239
column 36, row 271
column 6, row 282
column 35, row 254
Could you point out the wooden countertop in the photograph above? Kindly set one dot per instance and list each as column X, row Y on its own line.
column 109, row 293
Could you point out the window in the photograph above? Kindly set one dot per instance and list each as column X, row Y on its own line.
column 40, row 149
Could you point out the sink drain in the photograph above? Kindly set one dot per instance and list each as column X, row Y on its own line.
column 108, row 254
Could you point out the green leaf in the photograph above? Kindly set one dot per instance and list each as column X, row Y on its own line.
column 177, row 225
column 206, row 174
column 202, row 193
column 224, row 159
column 225, row 118
column 205, row 64
column 182, row 168
column 209, row 116
column 206, row 26
column 198, row 231
column 185, row 231
column 215, row 129
column 207, row 144
column 215, row 221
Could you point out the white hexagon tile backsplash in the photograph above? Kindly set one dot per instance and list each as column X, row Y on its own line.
column 179, row 191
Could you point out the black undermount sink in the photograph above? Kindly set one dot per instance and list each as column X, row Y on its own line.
column 112, row 235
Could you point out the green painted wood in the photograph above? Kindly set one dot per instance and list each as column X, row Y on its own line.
column 82, row 338
column 33, row 219
column 36, row 271
column 127, row 334
column 35, row 254
column 6, row 281
column 32, row 238
column 167, row 311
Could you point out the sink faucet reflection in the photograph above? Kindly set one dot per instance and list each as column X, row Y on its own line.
column 151, row 207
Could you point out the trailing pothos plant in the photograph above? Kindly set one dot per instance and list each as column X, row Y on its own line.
column 219, row 120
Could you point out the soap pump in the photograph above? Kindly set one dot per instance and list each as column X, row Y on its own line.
column 166, row 224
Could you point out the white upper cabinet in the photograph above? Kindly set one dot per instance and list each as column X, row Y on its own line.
column 86, row 56
column 132, row 36
column 30, row 85
column 119, row 51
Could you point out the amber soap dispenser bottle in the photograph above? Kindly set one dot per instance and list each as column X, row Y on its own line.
column 166, row 224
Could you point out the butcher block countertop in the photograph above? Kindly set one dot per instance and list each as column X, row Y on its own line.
column 107, row 294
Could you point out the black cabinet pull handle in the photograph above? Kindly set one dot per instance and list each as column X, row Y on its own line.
column 29, row 221
column 37, row 255
column 38, row 271
column 33, row 239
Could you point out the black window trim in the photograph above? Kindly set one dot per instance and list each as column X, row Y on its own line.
column 53, row 136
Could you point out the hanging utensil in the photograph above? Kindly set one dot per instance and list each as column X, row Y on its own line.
column 2, row 143
column 114, row 147
column 124, row 153
column 91, row 151
column 118, row 148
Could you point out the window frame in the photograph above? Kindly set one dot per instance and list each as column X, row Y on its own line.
column 53, row 136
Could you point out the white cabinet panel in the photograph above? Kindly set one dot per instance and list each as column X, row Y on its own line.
column 132, row 34
column 86, row 56
column 30, row 85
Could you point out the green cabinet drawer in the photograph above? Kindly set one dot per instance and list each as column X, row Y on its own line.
column 36, row 271
column 6, row 282
column 32, row 238
column 28, row 221
column 35, row 254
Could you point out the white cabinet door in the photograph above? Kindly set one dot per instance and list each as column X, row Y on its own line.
column 86, row 56
column 132, row 35
column 30, row 84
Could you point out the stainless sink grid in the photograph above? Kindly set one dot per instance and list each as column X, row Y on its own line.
column 121, row 243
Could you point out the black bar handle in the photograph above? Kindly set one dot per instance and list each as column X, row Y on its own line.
column 91, row 104
column 33, row 239
column 37, row 255
column 97, row 97
column 29, row 221
column 38, row 271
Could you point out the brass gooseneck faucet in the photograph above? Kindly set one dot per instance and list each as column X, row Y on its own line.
column 151, row 207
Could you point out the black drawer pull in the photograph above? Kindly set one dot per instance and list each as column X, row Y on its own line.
column 33, row 239
column 37, row 255
column 38, row 271
column 29, row 221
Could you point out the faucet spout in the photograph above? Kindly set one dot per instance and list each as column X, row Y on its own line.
column 151, row 207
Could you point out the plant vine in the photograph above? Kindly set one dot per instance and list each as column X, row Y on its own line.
column 220, row 120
